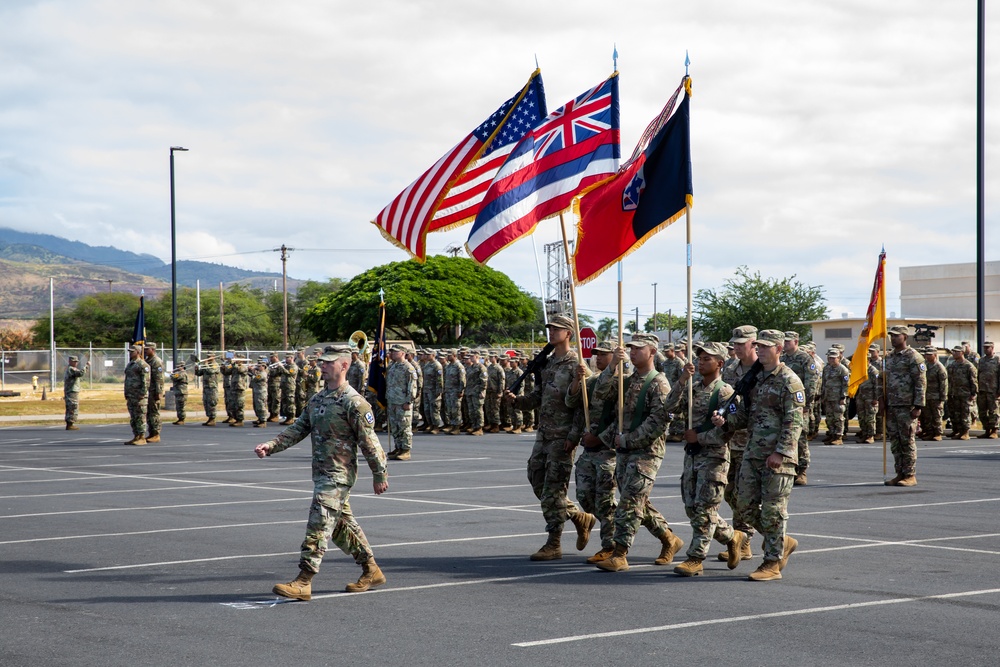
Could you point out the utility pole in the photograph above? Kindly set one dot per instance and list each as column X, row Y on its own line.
column 222, row 322
column 284, row 291
column 655, row 325
column 636, row 330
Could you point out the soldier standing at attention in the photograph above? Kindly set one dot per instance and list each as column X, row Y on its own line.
column 274, row 388
column 339, row 422
column 963, row 385
column 155, row 393
column 312, row 379
column 238, row 377
column 475, row 392
column 989, row 390
column 773, row 414
column 226, row 371
column 300, row 381
column 136, row 394
column 906, row 384
column 433, row 390
column 454, row 390
column 835, row 380
column 415, row 413
column 706, row 458
column 803, row 365
column 258, row 388
column 551, row 462
column 866, row 399
column 496, row 382
column 208, row 371
column 289, row 373
column 640, row 451
column 356, row 374
column 179, row 385
column 400, row 390
column 514, row 416
column 932, row 416
column 71, row 391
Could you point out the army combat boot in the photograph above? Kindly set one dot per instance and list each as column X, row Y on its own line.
column 768, row 571
column 371, row 577
column 908, row 480
column 671, row 544
column 153, row 437
column 790, row 545
column 299, row 588
column 210, row 422
column 403, row 455
column 137, row 440
column 617, row 562
column 584, row 522
column 800, row 479
column 551, row 550
column 603, row 554
column 689, row 568
column 70, row 426
column 734, row 551
column 745, row 552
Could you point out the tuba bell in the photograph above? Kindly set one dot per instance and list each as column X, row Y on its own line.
column 359, row 341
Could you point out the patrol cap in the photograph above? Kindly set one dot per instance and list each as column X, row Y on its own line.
column 395, row 347
column 837, row 346
column 770, row 337
column 134, row 348
column 150, row 346
column 605, row 346
column 874, row 348
column 791, row 335
column 73, row 357
column 181, row 364
column 833, row 352
column 744, row 334
column 958, row 348
column 988, row 343
column 668, row 347
column 334, row 352
column 930, row 349
column 712, row 348
column 644, row 340
column 899, row 329
column 561, row 322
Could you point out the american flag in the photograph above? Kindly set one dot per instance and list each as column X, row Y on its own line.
column 450, row 192
column 575, row 147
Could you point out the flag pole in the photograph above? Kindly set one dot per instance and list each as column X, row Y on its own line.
column 576, row 319
column 621, row 364
column 885, row 408
column 541, row 287
column 690, row 343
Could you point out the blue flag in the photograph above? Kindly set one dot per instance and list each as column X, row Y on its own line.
column 376, row 371
column 139, row 330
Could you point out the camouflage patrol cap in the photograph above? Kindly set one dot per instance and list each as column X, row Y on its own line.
column 899, row 329
column 770, row 337
column 988, row 343
column 605, row 346
column 711, row 348
column 833, row 352
column 930, row 349
column 791, row 335
column 73, row 358
column 958, row 348
column 561, row 322
column 667, row 347
column 135, row 348
column 396, row 347
column 181, row 364
column 837, row 346
column 150, row 346
column 334, row 352
column 644, row 340
column 874, row 348
column 744, row 334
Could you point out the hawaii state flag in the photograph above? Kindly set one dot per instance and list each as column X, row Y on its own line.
column 575, row 147
column 652, row 190
column 874, row 328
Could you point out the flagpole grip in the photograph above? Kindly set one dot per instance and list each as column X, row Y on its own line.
column 621, row 364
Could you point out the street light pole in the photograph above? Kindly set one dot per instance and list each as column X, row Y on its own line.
column 173, row 258
column 654, row 308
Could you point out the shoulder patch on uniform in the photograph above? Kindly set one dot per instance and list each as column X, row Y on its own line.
column 732, row 407
column 370, row 418
column 812, row 367
column 923, row 367
column 800, row 397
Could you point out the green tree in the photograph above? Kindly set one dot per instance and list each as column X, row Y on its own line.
column 501, row 332
column 663, row 321
column 424, row 302
column 767, row 303
column 607, row 328
column 248, row 321
column 104, row 319
column 305, row 297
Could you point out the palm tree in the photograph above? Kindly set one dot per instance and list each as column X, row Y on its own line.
column 607, row 328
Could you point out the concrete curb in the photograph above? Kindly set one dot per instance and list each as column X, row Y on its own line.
column 15, row 419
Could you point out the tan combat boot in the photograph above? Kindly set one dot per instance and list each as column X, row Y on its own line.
column 515, row 431
column 836, row 441
column 894, row 481
column 689, row 568
column 993, row 435
column 477, row 432
column 617, row 562
column 734, row 552
column 260, row 424
column 236, row 423
column 603, row 554
column 137, row 440
column 153, row 437
column 671, row 544
column 371, row 577
column 288, row 421
column 790, row 545
column 800, row 480
column 403, row 455
column 551, row 550
column 909, row 480
column 299, row 588
column 273, row 418
column 210, row 422
column 434, row 431
column 70, row 426
column 584, row 522
column 179, row 422
column 768, row 571
column 745, row 551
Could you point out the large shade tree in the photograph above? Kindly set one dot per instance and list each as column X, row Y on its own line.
column 424, row 302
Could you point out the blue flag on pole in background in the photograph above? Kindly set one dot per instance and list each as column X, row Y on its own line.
column 139, row 330
column 376, row 371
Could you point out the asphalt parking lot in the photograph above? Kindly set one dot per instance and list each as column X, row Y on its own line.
column 166, row 555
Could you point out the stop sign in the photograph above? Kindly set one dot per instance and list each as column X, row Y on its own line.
column 588, row 341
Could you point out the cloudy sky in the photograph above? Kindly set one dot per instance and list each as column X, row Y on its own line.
column 820, row 131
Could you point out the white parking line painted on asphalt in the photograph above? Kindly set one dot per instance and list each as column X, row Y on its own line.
column 752, row 617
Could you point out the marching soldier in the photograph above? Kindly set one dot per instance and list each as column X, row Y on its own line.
column 803, row 365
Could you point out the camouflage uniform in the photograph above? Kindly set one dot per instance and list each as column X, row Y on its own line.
column 803, row 365
column 963, row 385
column 238, row 378
column 356, row 376
column 179, row 385
column 512, row 416
column 416, row 414
column 71, row 394
column 226, row 371
column 676, row 423
column 475, row 394
column 454, row 387
column 906, row 382
column 400, row 390
column 834, row 393
column 209, row 374
column 312, row 379
column 433, row 389
column 273, row 390
column 866, row 400
column 530, row 416
column 731, row 374
column 155, row 395
column 989, row 391
column 932, row 416
column 300, row 384
column 496, row 381
column 550, row 465
column 137, row 394
column 289, row 373
column 706, row 465
column 774, row 418
column 258, row 387
column 339, row 422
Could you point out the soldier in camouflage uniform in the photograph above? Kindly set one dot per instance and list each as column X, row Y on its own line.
column 746, row 355
column 273, row 388
column 706, row 458
column 671, row 369
column 71, row 391
column 238, row 379
column 803, row 365
column 906, row 383
column 226, row 372
column 876, row 358
column 814, row 418
column 289, row 373
column 774, row 417
column 989, row 390
column 312, row 378
column 530, row 417
column 258, row 389
column 866, row 399
column 454, row 391
column 300, row 388
column 433, row 390
column 834, row 395
column 640, row 451
column 179, row 385
column 514, row 418
column 963, row 385
column 475, row 392
column 496, row 382
column 208, row 371
column 416, row 415
column 156, row 382
column 400, row 390
column 356, row 374
column 932, row 416
column 339, row 422
column 136, row 394
column 551, row 462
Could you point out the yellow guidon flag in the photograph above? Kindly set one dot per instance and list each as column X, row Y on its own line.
column 873, row 330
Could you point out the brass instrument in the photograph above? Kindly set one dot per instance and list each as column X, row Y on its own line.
column 359, row 341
